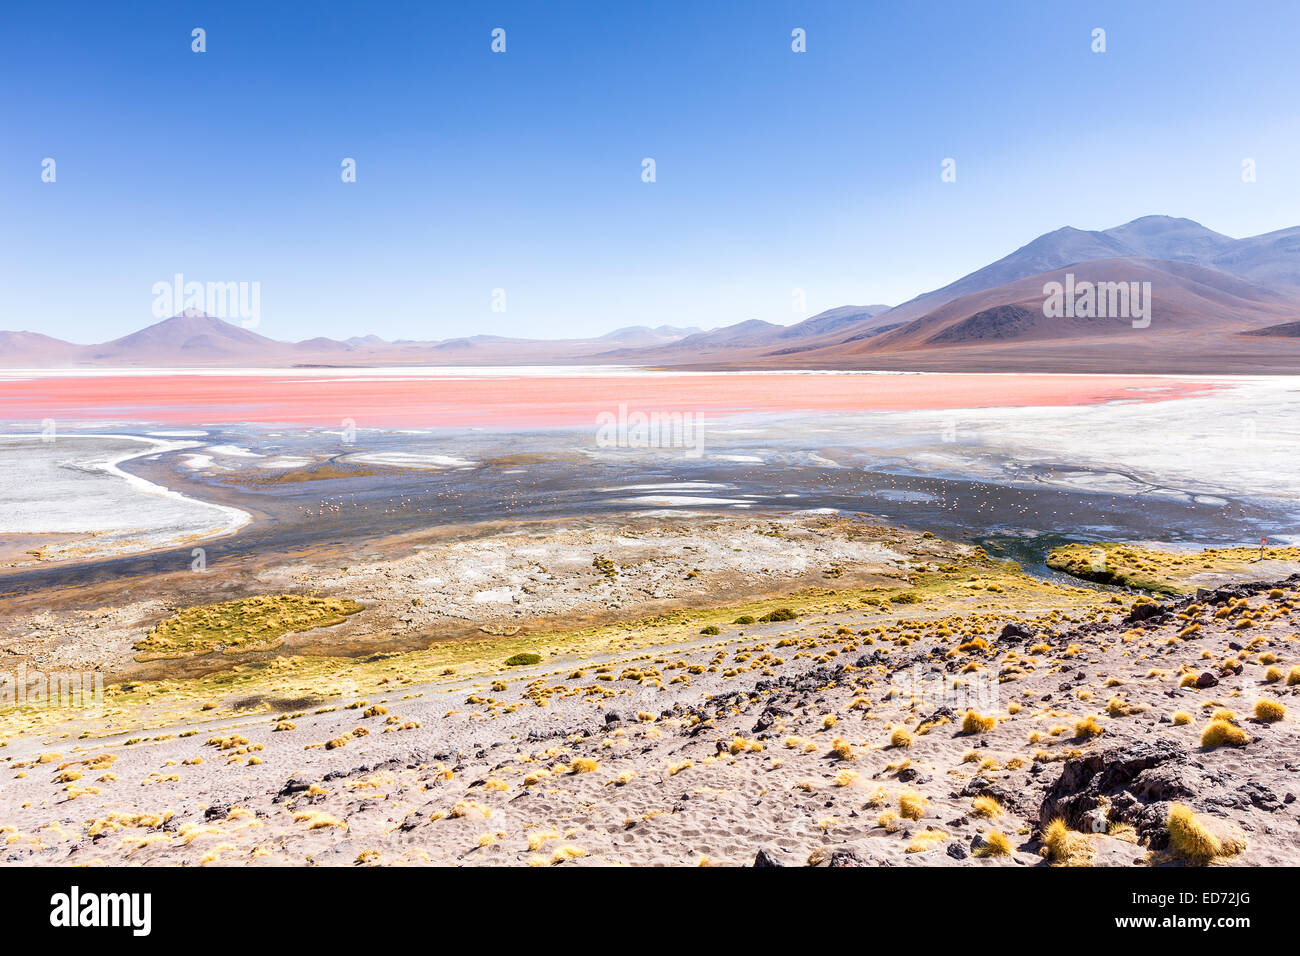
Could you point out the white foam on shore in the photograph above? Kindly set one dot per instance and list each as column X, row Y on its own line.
column 403, row 459
column 669, row 486
column 824, row 462
column 681, row 501
column 232, row 451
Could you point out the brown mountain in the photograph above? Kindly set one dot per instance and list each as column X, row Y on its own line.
column 194, row 339
column 1271, row 261
column 1207, row 289
column 1197, row 317
column 749, row 339
column 188, row 338
column 1287, row 330
column 32, row 349
column 1218, row 304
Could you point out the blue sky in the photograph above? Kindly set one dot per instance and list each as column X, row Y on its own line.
column 522, row 171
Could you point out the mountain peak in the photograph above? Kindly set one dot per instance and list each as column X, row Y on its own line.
column 1167, row 237
column 1157, row 220
column 192, row 330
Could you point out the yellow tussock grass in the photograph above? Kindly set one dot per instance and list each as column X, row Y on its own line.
column 911, row 805
column 1065, row 848
column 1192, row 840
column 1269, row 710
column 537, row 840
column 316, row 820
column 846, row 778
column 995, row 844
column 925, row 840
column 1088, row 728
column 1220, row 733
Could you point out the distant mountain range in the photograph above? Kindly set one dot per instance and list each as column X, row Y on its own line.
column 193, row 339
column 1217, row 304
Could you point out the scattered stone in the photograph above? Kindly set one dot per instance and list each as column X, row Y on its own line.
column 1013, row 633
column 843, row 856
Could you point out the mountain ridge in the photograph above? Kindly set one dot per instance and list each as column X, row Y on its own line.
column 1221, row 294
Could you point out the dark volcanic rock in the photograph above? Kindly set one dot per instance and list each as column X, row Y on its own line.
column 843, row 856
column 292, row 786
column 1141, row 612
column 768, row 717
column 1246, row 796
column 763, row 858
column 1013, row 798
column 1137, row 781
column 1014, row 632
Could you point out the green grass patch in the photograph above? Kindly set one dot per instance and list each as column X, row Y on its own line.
column 1149, row 569
column 246, row 624
column 520, row 660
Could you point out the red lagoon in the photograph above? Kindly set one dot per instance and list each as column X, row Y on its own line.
column 502, row 399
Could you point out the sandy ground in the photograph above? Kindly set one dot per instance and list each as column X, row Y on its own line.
column 778, row 737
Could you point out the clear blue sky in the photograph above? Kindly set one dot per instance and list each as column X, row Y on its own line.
column 522, row 171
